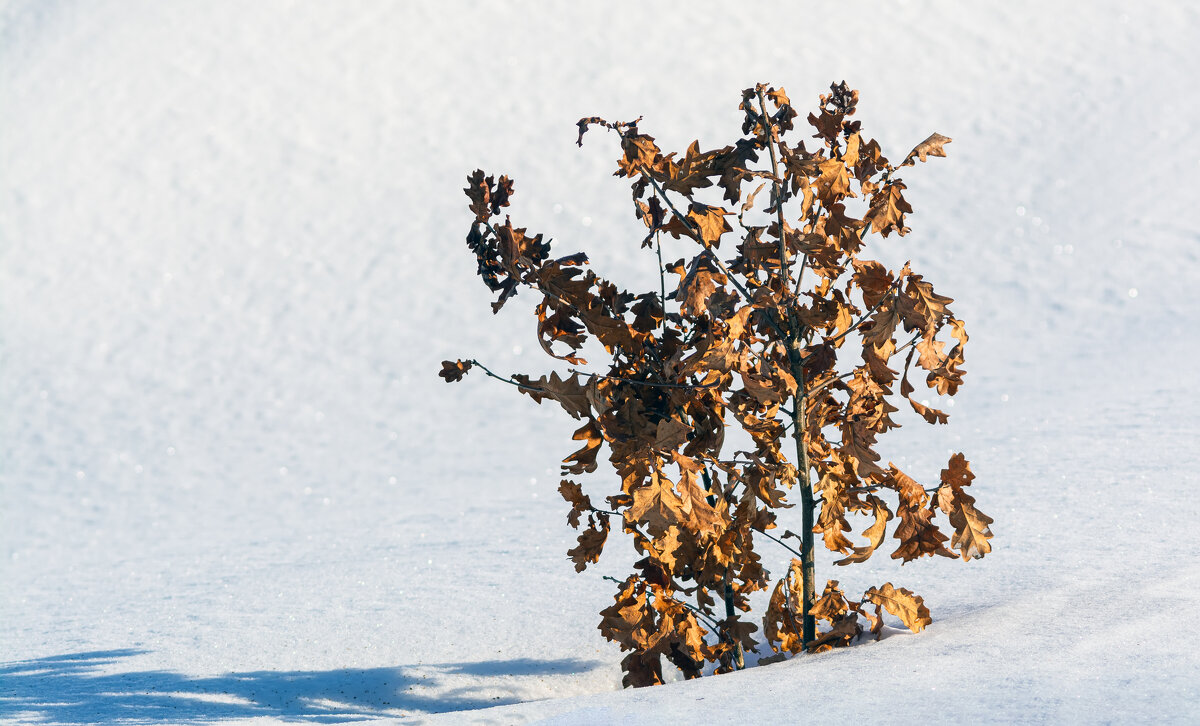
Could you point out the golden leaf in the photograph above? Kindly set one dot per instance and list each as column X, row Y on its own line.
column 874, row 534
column 702, row 518
column 584, row 460
column 872, row 278
column 696, row 287
column 671, row 434
column 833, row 182
column 971, row 527
column 840, row 634
column 569, row 393
column 931, row 146
column 921, row 307
column 579, row 501
column 831, row 606
column 888, row 207
column 710, row 221
column 591, row 543
column 657, row 505
column 902, row 603
column 931, row 415
column 882, row 328
column 929, row 350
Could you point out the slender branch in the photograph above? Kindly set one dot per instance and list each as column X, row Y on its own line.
column 781, row 543
column 800, row 275
column 650, row 384
column 772, row 138
column 909, row 344
column 829, row 382
column 876, row 487
column 510, row 381
column 708, row 619
column 643, row 383
column 662, row 194
column 662, row 280
column 885, row 297
column 711, row 254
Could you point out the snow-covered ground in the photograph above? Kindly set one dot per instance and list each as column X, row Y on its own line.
column 232, row 487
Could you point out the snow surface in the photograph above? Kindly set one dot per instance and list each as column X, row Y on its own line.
column 231, row 258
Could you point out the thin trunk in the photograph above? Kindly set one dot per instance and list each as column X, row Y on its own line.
column 739, row 661
column 800, row 400
column 807, row 505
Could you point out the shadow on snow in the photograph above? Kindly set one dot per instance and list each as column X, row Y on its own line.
column 70, row 689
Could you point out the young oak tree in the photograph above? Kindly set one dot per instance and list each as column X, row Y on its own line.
column 782, row 326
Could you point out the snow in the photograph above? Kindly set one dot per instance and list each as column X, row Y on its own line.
column 230, row 261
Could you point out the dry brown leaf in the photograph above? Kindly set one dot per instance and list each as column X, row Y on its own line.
column 591, row 543
column 931, row 415
column 657, row 505
column 874, row 534
column 971, row 527
column 902, row 603
column 931, row 146
column 579, row 501
column 454, row 370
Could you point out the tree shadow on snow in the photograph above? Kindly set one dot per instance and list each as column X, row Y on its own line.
column 79, row 688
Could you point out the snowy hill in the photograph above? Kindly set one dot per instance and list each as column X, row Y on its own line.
column 231, row 258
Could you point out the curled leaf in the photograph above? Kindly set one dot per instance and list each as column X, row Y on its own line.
column 454, row 370
column 931, row 146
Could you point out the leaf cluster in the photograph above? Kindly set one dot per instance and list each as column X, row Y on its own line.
column 778, row 323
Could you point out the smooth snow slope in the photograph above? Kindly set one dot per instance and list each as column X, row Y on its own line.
column 233, row 488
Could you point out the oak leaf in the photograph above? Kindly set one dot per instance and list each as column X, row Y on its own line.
column 971, row 527
column 568, row 393
column 875, row 533
column 931, row 415
column 710, row 221
column 833, row 183
column 888, row 207
column 883, row 326
column 579, row 501
column 841, row 633
column 703, row 518
column 872, row 278
column 902, row 603
column 584, row 460
column 657, row 505
column 591, row 543
column 931, row 146
column 696, row 287
column 454, row 370
column 670, row 434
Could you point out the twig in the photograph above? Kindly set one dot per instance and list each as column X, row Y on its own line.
column 829, row 382
column 885, row 297
column 909, row 344
column 716, row 626
column 662, row 280
column 510, row 381
column 711, row 254
column 643, row 383
column 876, row 487
column 518, row 384
column 772, row 137
column 780, row 542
